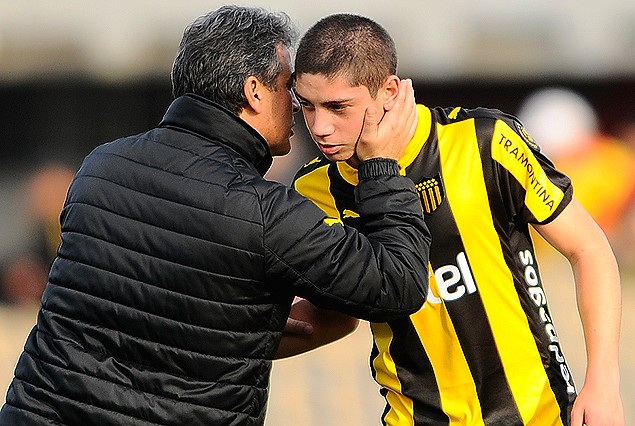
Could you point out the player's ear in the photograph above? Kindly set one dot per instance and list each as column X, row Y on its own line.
column 254, row 92
column 389, row 91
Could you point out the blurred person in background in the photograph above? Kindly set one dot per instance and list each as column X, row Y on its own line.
column 625, row 234
column 179, row 261
column 483, row 349
column 601, row 166
column 23, row 275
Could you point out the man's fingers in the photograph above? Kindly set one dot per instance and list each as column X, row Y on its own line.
column 413, row 117
column 406, row 106
column 369, row 125
column 371, row 120
column 405, row 99
column 297, row 327
column 386, row 131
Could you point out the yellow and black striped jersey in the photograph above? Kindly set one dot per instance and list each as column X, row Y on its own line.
column 483, row 349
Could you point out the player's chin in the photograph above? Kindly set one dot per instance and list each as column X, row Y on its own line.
column 339, row 156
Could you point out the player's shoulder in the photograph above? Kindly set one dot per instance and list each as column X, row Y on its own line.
column 447, row 115
column 311, row 166
column 486, row 118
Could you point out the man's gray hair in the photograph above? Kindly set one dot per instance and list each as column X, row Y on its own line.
column 220, row 50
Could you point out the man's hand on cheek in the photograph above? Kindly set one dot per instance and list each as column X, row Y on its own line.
column 385, row 134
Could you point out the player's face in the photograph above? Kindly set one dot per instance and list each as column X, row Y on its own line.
column 334, row 112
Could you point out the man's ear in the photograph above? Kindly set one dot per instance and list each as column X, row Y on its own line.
column 254, row 91
column 389, row 91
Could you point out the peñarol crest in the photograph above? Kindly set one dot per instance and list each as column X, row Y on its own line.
column 431, row 193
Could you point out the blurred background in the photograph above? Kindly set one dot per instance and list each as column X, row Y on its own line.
column 76, row 73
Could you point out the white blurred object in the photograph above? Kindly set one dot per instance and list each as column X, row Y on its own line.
column 559, row 119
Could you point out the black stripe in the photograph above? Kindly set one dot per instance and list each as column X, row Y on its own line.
column 475, row 335
column 416, row 374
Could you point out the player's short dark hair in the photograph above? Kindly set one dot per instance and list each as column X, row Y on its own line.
column 351, row 46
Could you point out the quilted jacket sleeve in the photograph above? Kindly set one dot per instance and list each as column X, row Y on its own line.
column 378, row 276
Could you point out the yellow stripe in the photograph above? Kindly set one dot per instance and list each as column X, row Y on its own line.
column 459, row 399
column 542, row 196
column 424, row 116
column 401, row 408
column 466, row 194
column 314, row 186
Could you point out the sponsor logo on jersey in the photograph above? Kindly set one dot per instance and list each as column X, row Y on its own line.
column 349, row 214
column 531, row 143
column 454, row 113
column 330, row 221
column 452, row 281
column 539, row 298
column 431, row 193
column 533, row 171
column 313, row 161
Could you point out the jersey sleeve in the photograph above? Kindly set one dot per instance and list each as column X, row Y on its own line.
column 531, row 186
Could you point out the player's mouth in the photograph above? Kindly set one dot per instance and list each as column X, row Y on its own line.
column 329, row 149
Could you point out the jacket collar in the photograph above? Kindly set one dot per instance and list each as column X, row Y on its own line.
column 213, row 122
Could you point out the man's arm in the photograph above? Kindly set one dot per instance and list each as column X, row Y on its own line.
column 576, row 235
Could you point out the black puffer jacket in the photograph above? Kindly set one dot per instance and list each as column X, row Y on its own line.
column 167, row 299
